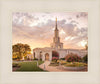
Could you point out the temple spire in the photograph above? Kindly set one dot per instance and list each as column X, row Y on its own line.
column 56, row 24
column 56, row 30
column 56, row 40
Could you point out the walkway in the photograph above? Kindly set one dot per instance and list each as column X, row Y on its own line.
column 45, row 66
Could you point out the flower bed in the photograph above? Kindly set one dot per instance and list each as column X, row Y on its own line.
column 75, row 66
column 53, row 63
column 62, row 62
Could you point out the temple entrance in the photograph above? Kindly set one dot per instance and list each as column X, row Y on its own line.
column 47, row 56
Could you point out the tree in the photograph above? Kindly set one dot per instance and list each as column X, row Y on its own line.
column 85, row 58
column 86, row 46
column 21, row 50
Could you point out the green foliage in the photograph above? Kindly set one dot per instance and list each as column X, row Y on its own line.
column 75, row 64
column 35, row 59
column 85, row 58
column 86, row 46
column 16, row 65
column 20, row 50
column 62, row 58
column 62, row 62
column 54, row 63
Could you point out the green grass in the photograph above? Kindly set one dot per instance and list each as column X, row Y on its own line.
column 29, row 66
column 75, row 64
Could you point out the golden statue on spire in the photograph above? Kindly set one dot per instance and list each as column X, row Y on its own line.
column 56, row 24
column 56, row 19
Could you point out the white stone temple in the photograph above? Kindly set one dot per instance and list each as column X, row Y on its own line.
column 46, row 53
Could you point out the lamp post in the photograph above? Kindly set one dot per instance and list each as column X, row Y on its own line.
column 44, row 66
column 37, row 63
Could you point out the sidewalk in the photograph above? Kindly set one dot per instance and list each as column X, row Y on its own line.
column 45, row 66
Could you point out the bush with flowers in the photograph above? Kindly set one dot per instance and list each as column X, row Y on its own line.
column 55, row 59
column 55, row 56
column 72, row 58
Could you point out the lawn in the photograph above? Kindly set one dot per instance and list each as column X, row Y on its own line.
column 29, row 66
column 75, row 64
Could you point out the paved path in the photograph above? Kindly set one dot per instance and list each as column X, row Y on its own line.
column 45, row 66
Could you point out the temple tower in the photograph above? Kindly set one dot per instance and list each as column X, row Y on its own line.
column 56, row 40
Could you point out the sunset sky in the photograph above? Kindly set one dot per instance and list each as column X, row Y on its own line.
column 37, row 29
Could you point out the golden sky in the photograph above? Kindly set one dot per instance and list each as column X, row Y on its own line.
column 37, row 29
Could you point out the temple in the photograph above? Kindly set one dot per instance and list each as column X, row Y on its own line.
column 47, row 52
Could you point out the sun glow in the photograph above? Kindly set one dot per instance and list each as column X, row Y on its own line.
column 62, row 31
column 83, row 43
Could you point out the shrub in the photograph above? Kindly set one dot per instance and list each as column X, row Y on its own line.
column 72, row 58
column 85, row 58
column 55, row 54
column 35, row 59
column 55, row 58
column 62, row 62
column 14, row 58
column 53, row 63
column 62, row 58
column 16, row 65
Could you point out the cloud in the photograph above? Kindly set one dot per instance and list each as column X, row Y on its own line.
column 44, row 31
column 82, row 14
column 23, row 19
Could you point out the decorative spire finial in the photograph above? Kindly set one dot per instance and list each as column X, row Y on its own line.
column 56, row 19
column 56, row 24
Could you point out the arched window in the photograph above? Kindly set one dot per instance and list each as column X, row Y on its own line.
column 46, row 56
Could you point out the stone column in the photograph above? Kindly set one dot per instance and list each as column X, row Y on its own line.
column 43, row 56
column 50, row 56
column 38, row 54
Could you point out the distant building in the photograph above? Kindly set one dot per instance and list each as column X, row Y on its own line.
column 46, row 53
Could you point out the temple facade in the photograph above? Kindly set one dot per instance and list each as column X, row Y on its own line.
column 46, row 53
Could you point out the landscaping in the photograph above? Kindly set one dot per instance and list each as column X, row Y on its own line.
column 75, row 64
column 54, row 63
column 27, row 66
column 71, row 62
